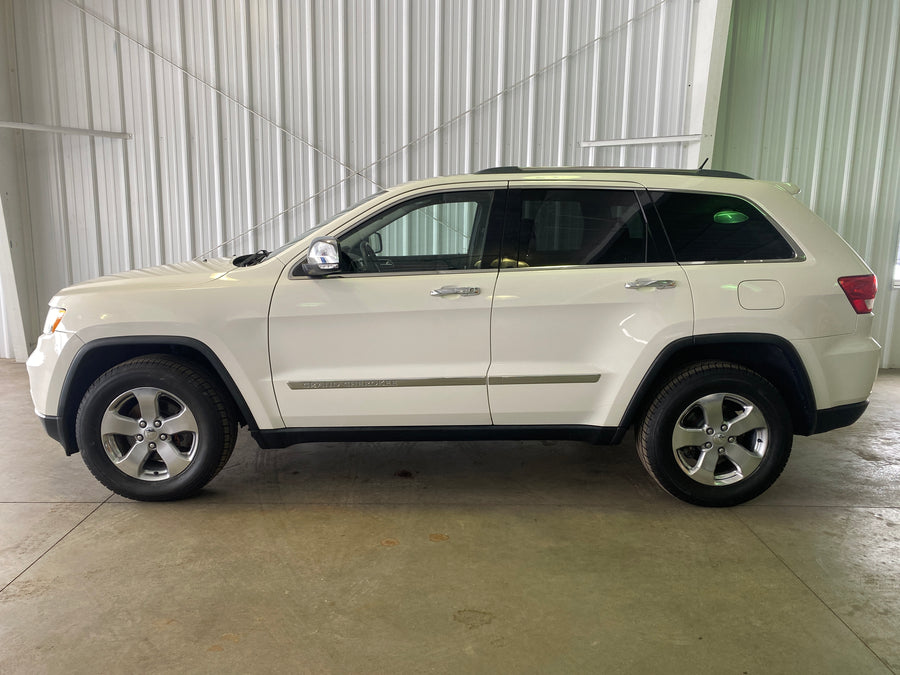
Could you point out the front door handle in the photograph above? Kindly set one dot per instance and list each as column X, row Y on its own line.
column 651, row 283
column 456, row 290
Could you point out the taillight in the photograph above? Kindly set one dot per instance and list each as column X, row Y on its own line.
column 860, row 291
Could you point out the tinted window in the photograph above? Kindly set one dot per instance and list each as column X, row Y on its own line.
column 579, row 227
column 703, row 227
column 435, row 232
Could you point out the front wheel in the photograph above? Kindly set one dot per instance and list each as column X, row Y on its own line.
column 717, row 434
column 154, row 429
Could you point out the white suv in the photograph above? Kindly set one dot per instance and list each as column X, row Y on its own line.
column 715, row 314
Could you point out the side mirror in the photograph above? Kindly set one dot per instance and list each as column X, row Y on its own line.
column 324, row 257
column 375, row 242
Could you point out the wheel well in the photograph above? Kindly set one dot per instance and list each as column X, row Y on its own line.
column 97, row 357
column 772, row 357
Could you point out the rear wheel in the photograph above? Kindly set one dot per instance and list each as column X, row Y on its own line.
column 154, row 428
column 717, row 434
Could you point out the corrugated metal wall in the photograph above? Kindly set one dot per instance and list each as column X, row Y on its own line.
column 811, row 94
column 254, row 119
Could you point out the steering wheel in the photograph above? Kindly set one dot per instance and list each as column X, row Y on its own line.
column 368, row 257
column 503, row 263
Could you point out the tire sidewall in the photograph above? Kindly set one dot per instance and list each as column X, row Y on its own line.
column 211, row 435
column 748, row 385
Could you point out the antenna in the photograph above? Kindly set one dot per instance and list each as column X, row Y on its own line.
column 704, row 164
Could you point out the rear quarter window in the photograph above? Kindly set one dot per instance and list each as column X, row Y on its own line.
column 716, row 228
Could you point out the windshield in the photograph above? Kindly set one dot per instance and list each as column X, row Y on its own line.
column 323, row 225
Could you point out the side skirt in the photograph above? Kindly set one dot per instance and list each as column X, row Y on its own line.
column 282, row 438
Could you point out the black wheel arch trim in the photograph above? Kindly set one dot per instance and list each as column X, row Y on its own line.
column 143, row 344
column 690, row 349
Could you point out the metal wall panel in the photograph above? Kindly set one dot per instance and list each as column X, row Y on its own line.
column 254, row 119
column 812, row 95
column 6, row 351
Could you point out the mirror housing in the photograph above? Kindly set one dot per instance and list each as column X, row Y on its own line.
column 324, row 257
column 375, row 242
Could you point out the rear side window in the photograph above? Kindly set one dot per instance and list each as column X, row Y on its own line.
column 579, row 227
column 710, row 228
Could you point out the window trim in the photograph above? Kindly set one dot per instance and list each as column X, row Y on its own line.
column 610, row 266
column 417, row 273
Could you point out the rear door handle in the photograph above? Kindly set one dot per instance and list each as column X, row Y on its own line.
column 651, row 283
column 456, row 290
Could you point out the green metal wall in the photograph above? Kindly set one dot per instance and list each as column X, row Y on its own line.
column 811, row 95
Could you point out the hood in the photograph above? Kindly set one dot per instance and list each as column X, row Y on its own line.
column 181, row 275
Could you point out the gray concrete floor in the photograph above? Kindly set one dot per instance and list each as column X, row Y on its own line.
column 451, row 557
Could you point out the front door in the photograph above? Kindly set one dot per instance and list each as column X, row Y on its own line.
column 401, row 336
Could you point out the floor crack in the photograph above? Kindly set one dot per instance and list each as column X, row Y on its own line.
column 814, row 593
column 55, row 543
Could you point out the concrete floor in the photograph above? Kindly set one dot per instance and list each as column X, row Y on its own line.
column 449, row 558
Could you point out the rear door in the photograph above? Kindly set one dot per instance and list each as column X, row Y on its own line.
column 587, row 297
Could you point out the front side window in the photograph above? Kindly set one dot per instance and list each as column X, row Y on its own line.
column 715, row 228
column 579, row 227
column 445, row 231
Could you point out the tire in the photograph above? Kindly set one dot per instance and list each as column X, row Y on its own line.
column 154, row 429
column 717, row 434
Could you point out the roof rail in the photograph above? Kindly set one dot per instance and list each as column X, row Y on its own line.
column 502, row 169
column 712, row 173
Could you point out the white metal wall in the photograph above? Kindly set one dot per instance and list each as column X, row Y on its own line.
column 811, row 95
column 251, row 120
column 11, row 324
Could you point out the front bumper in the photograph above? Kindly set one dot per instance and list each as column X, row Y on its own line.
column 47, row 367
column 51, row 426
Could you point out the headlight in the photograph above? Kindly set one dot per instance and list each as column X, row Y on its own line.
column 54, row 316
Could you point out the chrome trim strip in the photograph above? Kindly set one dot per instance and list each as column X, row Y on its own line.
column 798, row 259
column 544, row 379
column 507, row 270
column 351, row 275
column 444, row 382
column 378, row 383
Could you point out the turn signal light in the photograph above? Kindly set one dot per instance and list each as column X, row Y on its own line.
column 54, row 317
column 860, row 291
